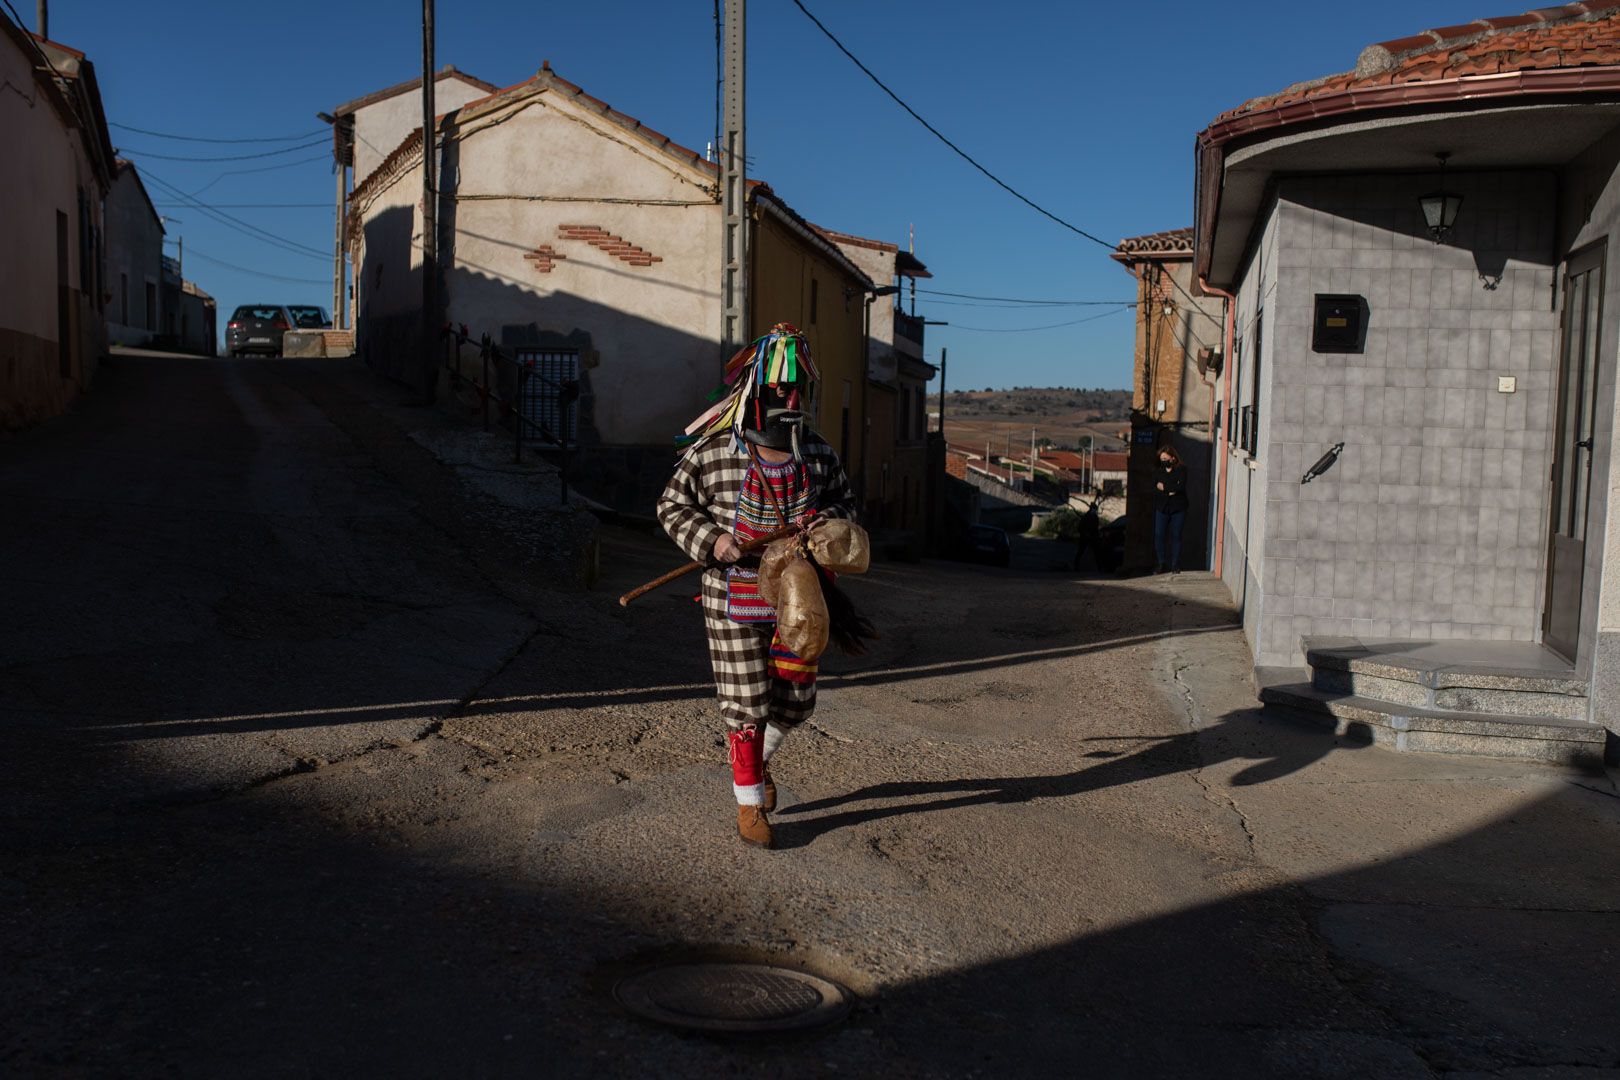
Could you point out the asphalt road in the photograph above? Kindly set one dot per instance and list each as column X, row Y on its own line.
column 314, row 762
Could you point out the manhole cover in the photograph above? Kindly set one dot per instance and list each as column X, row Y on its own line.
column 733, row 997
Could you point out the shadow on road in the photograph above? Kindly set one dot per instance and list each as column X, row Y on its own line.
column 1164, row 757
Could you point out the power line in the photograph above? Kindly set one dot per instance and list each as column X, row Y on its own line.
column 255, row 205
column 203, row 139
column 238, row 224
column 230, row 157
column 194, row 253
column 963, row 154
column 261, row 168
column 1014, row 306
column 1023, row 300
column 1053, row 326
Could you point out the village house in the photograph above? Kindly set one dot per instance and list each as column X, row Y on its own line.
column 381, row 119
column 198, row 331
column 894, row 451
column 52, row 275
column 589, row 244
column 1415, row 456
column 1176, row 356
column 134, row 259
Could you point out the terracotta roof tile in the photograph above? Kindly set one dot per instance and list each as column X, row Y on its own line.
column 1171, row 241
column 1571, row 35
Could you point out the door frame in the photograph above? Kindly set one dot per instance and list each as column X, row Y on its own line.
column 1591, row 257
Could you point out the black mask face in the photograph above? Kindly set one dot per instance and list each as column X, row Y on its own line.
column 782, row 424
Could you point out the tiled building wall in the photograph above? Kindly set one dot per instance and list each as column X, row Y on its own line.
column 1245, row 381
column 1590, row 202
column 1433, row 522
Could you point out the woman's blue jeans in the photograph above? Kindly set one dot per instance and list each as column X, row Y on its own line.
column 1167, row 537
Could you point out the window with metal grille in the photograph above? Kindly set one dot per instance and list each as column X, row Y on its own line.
column 542, row 400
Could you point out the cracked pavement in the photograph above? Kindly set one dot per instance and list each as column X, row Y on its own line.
column 318, row 761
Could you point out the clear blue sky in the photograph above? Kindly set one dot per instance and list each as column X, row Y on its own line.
column 1090, row 109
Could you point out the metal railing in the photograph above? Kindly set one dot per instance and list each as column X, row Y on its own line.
column 522, row 371
column 908, row 326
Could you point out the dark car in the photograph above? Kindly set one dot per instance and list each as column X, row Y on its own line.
column 309, row 317
column 986, row 543
column 257, row 328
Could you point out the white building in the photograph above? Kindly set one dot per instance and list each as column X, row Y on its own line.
column 52, row 328
column 134, row 260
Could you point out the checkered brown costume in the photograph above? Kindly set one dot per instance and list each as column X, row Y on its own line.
column 699, row 506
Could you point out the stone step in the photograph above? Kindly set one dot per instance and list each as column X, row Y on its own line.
column 1416, row 729
column 1472, row 665
column 1459, row 699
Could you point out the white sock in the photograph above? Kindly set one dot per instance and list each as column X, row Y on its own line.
column 749, row 795
column 774, row 734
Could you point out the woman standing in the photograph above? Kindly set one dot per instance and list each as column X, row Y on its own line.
column 1169, row 509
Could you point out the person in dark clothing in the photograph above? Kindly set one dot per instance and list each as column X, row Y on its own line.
column 1090, row 533
column 1169, row 509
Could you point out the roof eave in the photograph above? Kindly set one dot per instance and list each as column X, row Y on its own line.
column 761, row 194
column 1487, row 90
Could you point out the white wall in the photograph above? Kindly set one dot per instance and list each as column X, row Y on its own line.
column 1246, row 475
column 648, row 335
column 34, row 186
column 135, row 256
column 380, row 127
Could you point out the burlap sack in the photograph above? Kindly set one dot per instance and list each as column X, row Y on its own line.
column 840, row 545
column 801, row 610
column 772, row 562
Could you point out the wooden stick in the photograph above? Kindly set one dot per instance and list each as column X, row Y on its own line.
column 682, row 571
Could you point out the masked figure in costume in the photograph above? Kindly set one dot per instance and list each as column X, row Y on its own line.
column 755, row 468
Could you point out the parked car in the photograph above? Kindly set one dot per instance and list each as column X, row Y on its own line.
column 257, row 328
column 310, row 317
column 988, row 544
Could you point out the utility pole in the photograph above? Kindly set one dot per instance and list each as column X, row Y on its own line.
column 44, row 19
column 342, row 158
column 1032, row 458
column 942, row 391
column 734, row 182
column 430, row 224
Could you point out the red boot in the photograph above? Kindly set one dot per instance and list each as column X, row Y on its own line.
column 748, row 784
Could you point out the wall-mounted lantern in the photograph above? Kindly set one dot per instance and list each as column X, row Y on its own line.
column 1440, row 207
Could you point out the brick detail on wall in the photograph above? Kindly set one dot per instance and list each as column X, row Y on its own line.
column 617, row 246
column 544, row 258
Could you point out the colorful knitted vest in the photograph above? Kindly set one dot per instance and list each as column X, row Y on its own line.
column 757, row 516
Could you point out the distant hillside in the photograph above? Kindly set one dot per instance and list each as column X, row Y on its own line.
column 1029, row 403
column 1056, row 416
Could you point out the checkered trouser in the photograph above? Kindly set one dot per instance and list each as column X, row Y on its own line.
column 740, row 653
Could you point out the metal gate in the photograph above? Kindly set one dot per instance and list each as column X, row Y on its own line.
column 542, row 394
